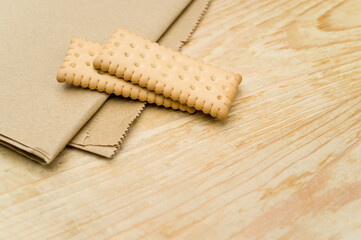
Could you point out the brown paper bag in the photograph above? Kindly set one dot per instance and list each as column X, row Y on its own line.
column 38, row 116
column 117, row 114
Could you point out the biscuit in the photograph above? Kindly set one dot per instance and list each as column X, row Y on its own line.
column 77, row 69
column 172, row 74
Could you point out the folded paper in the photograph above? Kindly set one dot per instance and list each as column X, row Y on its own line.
column 39, row 116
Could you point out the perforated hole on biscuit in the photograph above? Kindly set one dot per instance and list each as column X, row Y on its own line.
column 181, row 77
column 158, row 56
column 224, row 88
column 192, row 87
column 88, row 64
column 73, row 65
column 147, row 46
column 101, row 72
column 122, row 35
column 197, row 78
column 142, row 55
column 136, row 64
column 80, row 45
column 169, row 66
column 201, row 68
column 132, row 45
column 208, row 88
column 228, row 77
column 117, row 44
column 126, row 54
column 186, row 68
column 91, row 54
column 213, row 78
column 76, row 54
column 219, row 97
column 153, row 65
column 111, row 53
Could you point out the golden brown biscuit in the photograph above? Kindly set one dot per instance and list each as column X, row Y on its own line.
column 164, row 71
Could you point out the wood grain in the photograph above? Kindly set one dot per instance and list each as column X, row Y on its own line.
column 284, row 165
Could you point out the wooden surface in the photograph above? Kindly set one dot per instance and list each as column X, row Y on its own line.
column 286, row 163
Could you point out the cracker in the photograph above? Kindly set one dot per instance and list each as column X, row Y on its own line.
column 77, row 69
column 164, row 71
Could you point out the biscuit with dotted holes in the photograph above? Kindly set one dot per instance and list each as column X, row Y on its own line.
column 77, row 69
column 164, row 71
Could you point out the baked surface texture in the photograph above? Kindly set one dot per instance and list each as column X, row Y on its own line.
column 172, row 74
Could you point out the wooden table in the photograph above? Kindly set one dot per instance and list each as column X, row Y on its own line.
column 286, row 163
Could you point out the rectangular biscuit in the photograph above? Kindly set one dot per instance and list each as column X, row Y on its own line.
column 77, row 69
column 164, row 71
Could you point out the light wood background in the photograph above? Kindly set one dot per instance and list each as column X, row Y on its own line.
column 286, row 164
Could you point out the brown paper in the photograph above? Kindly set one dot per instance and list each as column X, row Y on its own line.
column 181, row 29
column 38, row 116
column 117, row 114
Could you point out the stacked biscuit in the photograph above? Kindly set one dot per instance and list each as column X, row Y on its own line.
column 131, row 66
